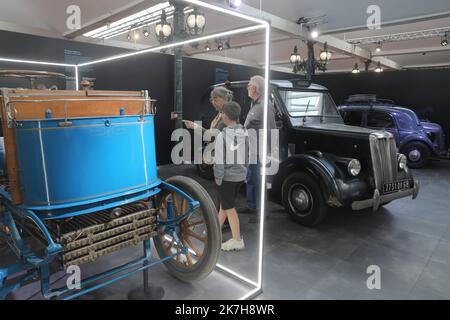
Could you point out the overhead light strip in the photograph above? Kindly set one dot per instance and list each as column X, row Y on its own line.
column 171, row 45
column 142, row 20
column 152, row 10
column 228, row 11
column 146, row 17
column 38, row 62
column 139, row 25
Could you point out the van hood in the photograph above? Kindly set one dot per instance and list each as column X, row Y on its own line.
column 430, row 126
column 338, row 127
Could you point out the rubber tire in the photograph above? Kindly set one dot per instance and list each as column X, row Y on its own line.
column 214, row 242
column 319, row 209
column 424, row 151
column 205, row 172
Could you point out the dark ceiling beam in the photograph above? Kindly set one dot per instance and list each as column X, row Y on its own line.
column 289, row 27
column 392, row 23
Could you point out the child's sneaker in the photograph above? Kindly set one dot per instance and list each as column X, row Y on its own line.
column 233, row 245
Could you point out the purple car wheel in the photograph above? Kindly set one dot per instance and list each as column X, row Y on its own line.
column 417, row 153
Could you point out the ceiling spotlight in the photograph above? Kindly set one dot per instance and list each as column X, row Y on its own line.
column 378, row 48
column 356, row 69
column 220, row 47
column 314, row 33
column 207, row 47
column 379, row 68
column 444, row 41
column 234, row 3
column 146, row 33
column 136, row 35
column 128, row 37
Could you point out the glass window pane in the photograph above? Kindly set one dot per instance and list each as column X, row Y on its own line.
column 353, row 118
column 379, row 120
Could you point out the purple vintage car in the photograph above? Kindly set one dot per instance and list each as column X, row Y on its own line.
column 418, row 140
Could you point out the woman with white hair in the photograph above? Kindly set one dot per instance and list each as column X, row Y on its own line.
column 219, row 97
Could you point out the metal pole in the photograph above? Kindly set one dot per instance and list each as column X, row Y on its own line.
column 310, row 65
column 367, row 65
column 178, row 24
column 147, row 254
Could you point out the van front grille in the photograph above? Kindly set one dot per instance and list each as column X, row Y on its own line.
column 384, row 158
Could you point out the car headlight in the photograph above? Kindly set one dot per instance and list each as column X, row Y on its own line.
column 402, row 161
column 354, row 167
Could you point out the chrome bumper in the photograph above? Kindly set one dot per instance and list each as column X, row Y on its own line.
column 378, row 199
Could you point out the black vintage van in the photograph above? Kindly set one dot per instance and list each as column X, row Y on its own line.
column 325, row 163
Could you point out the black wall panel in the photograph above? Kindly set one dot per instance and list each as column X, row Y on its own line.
column 27, row 47
column 200, row 74
column 152, row 72
column 23, row 46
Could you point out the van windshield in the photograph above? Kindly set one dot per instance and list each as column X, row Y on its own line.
column 309, row 104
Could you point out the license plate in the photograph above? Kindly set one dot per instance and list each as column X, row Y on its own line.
column 397, row 186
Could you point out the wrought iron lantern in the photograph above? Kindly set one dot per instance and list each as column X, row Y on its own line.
column 163, row 29
column 195, row 22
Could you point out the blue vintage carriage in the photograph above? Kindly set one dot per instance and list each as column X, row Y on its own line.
column 81, row 182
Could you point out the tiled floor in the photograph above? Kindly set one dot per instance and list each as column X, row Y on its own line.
column 409, row 240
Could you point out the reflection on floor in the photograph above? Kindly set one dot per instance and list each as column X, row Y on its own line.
column 409, row 241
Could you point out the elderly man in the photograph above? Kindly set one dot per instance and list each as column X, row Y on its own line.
column 254, row 123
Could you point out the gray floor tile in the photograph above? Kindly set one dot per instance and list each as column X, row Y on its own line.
column 336, row 244
column 406, row 241
column 419, row 293
column 442, row 253
column 284, row 287
column 436, row 277
column 415, row 224
column 313, row 294
column 349, row 281
column 446, row 235
column 294, row 261
column 344, row 281
column 399, row 262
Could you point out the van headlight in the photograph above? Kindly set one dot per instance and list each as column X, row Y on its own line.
column 402, row 161
column 354, row 167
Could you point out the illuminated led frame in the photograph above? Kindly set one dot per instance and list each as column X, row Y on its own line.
column 260, row 24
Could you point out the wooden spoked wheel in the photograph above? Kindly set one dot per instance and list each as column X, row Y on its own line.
column 199, row 233
column 192, row 232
